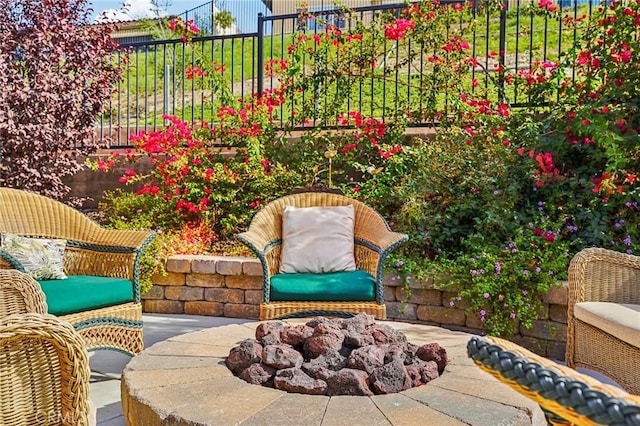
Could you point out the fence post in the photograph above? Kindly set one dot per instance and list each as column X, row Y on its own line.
column 260, row 71
column 167, row 81
column 503, row 49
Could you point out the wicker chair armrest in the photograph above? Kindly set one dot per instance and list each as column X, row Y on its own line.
column 383, row 241
column 26, row 341
column 563, row 393
column 258, row 240
column 601, row 275
column 19, row 294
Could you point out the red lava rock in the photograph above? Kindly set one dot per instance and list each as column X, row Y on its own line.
column 390, row 378
column 281, row 356
column 352, row 356
column 296, row 335
column 434, row 352
column 242, row 356
column 383, row 333
column 295, row 380
column 258, row 374
column 349, row 382
column 325, row 337
column 269, row 331
column 367, row 358
column 330, row 360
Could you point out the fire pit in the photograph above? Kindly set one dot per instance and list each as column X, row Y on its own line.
column 354, row 356
column 184, row 380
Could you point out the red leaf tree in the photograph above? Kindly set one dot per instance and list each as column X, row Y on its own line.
column 57, row 74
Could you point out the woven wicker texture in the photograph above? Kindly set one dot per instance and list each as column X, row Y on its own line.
column 19, row 294
column 44, row 372
column 273, row 310
column 91, row 250
column 567, row 396
column 600, row 275
column 373, row 241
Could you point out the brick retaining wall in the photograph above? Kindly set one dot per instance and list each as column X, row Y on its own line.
column 232, row 287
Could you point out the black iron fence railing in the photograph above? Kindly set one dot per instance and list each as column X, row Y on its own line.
column 155, row 82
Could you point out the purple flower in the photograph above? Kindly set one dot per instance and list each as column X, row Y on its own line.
column 525, row 272
column 572, row 228
column 538, row 269
column 451, row 303
column 399, row 263
column 486, row 295
column 512, row 315
column 627, row 241
column 498, row 267
column 525, row 292
column 496, row 192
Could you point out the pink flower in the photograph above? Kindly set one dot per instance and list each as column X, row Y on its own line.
column 396, row 30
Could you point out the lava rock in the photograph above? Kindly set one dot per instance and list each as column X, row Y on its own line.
column 258, row 374
column 330, row 360
column 280, row 356
column 390, row 378
column 349, row 382
column 434, row 352
column 383, row 333
column 295, row 380
column 326, row 336
column 296, row 335
column 242, row 356
column 268, row 333
column 367, row 358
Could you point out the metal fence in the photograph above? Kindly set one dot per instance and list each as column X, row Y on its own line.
column 244, row 13
column 512, row 38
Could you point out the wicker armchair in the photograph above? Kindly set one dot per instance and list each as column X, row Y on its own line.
column 373, row 240
column 600, row 275
column 44, row 372
column 566, row 396
column 91, row 251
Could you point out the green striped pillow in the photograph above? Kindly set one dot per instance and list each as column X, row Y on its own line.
column 41, row 258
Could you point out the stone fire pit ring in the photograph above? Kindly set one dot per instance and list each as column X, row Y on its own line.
column 185, row 381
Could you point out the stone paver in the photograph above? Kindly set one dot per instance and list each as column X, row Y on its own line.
column 183, row 381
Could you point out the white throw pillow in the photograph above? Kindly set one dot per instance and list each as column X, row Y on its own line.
column 317, row 239
column 41, row 258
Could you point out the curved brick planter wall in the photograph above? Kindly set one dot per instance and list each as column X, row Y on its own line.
column 232, row 287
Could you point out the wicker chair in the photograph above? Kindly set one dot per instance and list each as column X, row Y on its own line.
column 44, row 372
column 372, row 238
column 566, row 396
column 600, row 275
column 90, row 251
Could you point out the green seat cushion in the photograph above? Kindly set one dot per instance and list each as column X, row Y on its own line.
column 333, row 286
column 80, row 293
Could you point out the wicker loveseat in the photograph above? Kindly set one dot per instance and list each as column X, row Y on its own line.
column 373, row 240
column 604, row 315
column 101, row 296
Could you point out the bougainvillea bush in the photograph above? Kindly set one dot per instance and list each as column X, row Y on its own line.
column 495, row 203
